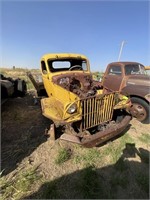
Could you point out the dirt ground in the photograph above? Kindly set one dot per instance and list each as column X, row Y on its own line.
column 22, row 128
column 24, row 144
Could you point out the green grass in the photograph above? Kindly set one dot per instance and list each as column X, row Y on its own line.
column 18, row 187
column 90, row 186
column 93, row 156
column 88, row 157
column 121, row 165
column 29, row 85
column 62, row 156
column 49, row 191
column 116, row 151
column 117, row 180
column 145, row 138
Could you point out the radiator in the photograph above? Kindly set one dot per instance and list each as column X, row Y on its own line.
column 97, row 110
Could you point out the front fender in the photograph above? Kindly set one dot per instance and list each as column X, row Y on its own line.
column 136, row 90
column 53, row 109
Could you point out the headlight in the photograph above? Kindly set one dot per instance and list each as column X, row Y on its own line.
column 122, row 97
column 122, row 102
column 72, row 108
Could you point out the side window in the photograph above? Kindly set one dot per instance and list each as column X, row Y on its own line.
column 115, row 70
column 43, row 66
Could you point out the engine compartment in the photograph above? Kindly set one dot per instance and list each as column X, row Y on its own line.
column 80, row 84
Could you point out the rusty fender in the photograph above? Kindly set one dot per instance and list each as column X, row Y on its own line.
column 100, row 136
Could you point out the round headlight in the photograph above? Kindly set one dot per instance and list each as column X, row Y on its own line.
column 122, row 97
column 72, row 108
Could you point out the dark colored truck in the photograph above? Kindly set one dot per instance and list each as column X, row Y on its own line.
column 11, row 87
column 131, row 79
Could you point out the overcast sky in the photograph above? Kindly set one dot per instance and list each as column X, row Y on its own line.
column 96, row 29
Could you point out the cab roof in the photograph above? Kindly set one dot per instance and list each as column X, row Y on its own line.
column 124, row 63
column 63, row 56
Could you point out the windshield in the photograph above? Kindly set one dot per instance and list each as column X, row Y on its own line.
column 65, row 65
column 134, row 69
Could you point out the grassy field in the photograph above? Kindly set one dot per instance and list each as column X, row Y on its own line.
column 35, row 167
column 20, row 73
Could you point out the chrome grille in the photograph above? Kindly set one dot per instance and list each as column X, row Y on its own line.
column 96, row 110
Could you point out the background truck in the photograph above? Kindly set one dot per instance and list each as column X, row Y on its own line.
column 12, row 87
column 87, row 114
column 131, row 79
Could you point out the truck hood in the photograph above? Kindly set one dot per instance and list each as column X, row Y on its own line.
column 139, row 80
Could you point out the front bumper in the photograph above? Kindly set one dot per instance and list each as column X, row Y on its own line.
column 99, row 137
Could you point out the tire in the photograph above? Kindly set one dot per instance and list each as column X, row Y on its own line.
column 4, row 93
column 140, row 110
column 20, row 88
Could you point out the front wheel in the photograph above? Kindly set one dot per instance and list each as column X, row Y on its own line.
column 140, row 110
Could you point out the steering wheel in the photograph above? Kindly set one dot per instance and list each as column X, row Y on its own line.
column 75, row 66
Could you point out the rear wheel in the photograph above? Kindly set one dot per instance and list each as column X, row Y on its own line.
column 140, row 110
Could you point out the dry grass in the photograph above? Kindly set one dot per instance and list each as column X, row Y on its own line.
column 102, row 173
column 18, row 186
column 20, row 73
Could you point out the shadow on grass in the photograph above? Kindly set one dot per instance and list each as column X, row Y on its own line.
column 22, row 130
column 126, row 179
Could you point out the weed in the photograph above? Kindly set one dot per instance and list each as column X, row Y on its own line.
column 15, row 189
column 62, row 156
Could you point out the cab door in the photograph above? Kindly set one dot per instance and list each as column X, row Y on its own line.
column 45, row 77
column 113, row 77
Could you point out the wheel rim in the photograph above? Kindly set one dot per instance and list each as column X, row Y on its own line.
column 138, row 111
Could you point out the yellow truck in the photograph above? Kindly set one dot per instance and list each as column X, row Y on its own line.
column 87, row 113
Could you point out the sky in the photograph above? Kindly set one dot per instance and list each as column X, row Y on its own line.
column 30, row 29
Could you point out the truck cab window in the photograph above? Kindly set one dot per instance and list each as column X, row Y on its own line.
column 134, row 69
column 115, row 70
